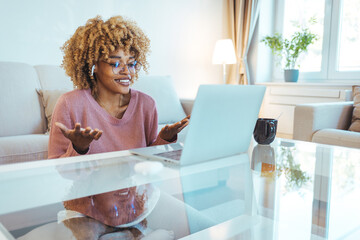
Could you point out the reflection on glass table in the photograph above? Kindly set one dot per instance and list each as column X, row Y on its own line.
column 108, row 198
column 299, row 189
column 286, row 190
column 119, row 214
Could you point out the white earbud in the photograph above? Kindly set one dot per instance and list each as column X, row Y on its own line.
column 92, row 70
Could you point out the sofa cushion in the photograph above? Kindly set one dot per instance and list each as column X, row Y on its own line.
column 355, row 121
column 24, row 148
column 49, row 99
column 53, row 77
column 337, row 137
column 21, row 110
column 162, row 90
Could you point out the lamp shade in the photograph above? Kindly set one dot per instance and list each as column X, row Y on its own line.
column 224, row 52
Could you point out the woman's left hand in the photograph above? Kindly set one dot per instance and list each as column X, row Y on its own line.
column 169, row 132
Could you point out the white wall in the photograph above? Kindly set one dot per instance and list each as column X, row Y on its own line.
column 182, row 32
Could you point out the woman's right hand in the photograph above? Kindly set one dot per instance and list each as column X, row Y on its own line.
column 80, row 137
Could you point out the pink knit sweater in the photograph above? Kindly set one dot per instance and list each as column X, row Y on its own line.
column 137, row 128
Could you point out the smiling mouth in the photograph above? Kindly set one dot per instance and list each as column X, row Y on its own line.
column 123, row 192
column 122, row 80
column 125, row 82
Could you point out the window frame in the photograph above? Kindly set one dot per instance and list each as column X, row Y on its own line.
column 330, row 45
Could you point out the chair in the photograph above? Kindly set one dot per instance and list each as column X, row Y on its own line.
column 325, row 123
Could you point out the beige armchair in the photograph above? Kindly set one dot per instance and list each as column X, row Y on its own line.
column 325, row 123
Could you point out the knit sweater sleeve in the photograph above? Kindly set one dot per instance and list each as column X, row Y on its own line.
column 59, row 146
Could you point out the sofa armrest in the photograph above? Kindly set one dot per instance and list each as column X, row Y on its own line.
column 187, row 105
column 309, row 118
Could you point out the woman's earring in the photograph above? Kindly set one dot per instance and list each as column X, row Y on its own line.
column 92, row 70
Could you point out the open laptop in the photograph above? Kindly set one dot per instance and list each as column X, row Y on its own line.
column 221, row 125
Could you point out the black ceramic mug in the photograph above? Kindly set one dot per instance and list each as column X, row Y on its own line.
column 265, row 130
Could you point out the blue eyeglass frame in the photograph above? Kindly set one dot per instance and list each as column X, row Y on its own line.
column 132, row 66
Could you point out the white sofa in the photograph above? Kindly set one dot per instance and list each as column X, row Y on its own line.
column 325, row 123
column 23, row 114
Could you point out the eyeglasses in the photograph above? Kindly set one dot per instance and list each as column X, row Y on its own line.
column 119, row 67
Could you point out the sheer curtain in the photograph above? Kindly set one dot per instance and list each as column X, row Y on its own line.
column 243, row 15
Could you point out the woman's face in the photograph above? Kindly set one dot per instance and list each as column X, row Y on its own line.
column 116, row 207
column 115, row 75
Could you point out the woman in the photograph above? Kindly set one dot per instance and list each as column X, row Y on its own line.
column 103, row 59
column 119, row 214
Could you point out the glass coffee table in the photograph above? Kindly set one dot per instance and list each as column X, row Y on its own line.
column 286, row 190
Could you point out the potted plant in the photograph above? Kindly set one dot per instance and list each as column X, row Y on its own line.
column 289, row 50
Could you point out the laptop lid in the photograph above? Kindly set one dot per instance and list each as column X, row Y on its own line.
column 222, row 122
column 221, row 125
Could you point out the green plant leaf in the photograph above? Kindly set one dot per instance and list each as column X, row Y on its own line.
column 290, row 49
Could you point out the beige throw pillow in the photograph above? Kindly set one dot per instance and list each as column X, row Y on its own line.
column 355, row 121
column 49, row 99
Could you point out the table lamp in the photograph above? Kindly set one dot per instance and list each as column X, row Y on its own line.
column 224, row 53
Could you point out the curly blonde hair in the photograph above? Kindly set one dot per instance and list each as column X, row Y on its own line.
column 95, row 41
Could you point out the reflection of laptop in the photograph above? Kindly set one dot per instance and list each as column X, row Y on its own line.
column 221, row 124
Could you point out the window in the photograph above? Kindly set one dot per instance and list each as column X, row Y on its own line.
column 336, row 55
